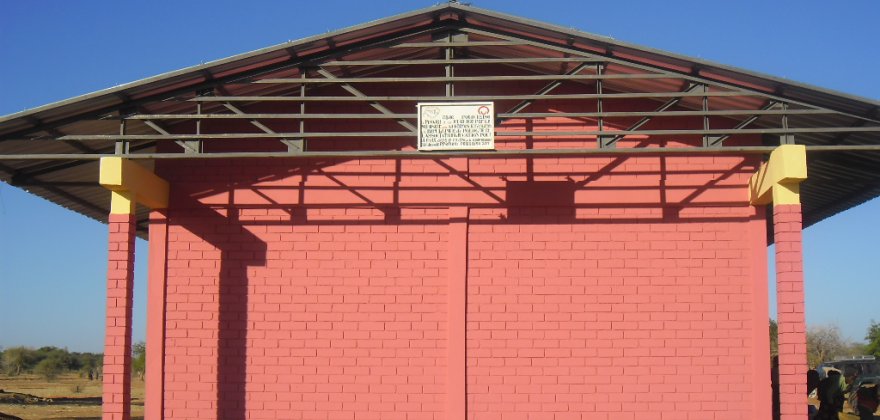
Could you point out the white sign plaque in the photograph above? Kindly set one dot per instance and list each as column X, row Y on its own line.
column 456, row 126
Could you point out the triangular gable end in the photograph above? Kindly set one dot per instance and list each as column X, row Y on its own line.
column 290, row 100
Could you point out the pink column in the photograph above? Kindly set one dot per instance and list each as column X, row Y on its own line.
column 790, row 311
column 155, row 369
column 761, row 366
column 117, row 341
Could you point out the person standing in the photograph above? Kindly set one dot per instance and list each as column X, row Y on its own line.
column 831, row 396
column 812, row 384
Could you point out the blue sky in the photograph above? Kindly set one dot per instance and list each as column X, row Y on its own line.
column 52, row 261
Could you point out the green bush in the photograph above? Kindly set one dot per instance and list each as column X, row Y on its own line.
column 49, row 368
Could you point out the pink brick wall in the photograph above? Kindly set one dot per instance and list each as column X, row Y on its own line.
column 610, row 319
column 597, row 287
column 336, row 320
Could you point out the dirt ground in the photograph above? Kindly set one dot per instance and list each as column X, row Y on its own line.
column 73, row 397
column 69, row 397
column 847, row 416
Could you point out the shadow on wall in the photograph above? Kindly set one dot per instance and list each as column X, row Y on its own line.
column 239, row 249
column 504, row 191
column 588, row 185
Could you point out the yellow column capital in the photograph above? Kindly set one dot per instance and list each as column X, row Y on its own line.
column 778, row 180
column 131, row 183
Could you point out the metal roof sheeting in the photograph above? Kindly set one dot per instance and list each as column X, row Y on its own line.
column 838, row 180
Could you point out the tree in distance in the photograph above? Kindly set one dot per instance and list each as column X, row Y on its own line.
column 873, row 338
column 139, row 359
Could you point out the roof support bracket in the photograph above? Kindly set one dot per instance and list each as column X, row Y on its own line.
column 293, row 146
column 612, row 141
column 718, row 141
column 603, row 141
column 121, row 145
column 542, row 92
column 189, row 146
column 377, row 106
column 299, row 145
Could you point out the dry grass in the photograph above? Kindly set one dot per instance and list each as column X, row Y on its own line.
column 69, row 386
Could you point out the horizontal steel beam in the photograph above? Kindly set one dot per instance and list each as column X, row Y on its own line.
column 218, row 136
column 394, row 62
column 420, row 155
column 365, row 154
column 470, row 97
column 458, row 44
column 458, row 79
column 683, row 132
column 266, row 116
column 732, row 112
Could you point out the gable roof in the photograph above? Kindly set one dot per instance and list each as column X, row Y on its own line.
column 65, row 172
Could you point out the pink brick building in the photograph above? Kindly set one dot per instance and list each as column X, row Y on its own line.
column 606, row 259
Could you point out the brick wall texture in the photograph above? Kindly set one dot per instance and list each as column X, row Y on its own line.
column 117, row 340
column 790, row 310
column 597, row 287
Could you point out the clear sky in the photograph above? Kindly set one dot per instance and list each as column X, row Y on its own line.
column 53, row 261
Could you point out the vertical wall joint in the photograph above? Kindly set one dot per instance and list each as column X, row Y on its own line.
column 457, row 314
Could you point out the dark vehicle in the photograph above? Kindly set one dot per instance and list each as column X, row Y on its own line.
column 868, row 368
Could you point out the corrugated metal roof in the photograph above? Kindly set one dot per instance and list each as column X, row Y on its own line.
column 837, row 180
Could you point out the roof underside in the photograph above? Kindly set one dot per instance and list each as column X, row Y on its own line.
column 287, row 94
